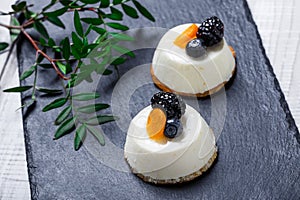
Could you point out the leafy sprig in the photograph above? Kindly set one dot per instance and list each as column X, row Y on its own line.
column 70, row 53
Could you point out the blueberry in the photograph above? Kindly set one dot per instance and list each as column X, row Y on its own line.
column 195, row 49
column 173, row 128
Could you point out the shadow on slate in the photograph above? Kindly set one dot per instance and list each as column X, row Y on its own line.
column 258, row 149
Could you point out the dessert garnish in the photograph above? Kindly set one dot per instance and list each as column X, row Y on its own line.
column 156, row 124
column 186, row 36
column 195, row 49
column 209, row 33
column 164, row 120
column 173, row 128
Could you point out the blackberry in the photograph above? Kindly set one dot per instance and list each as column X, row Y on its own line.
column 211, row 31
column 173, row 128
column 171, row 103
column 194, row 48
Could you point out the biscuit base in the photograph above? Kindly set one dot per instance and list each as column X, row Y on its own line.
column 179, row 180
column 165, row 88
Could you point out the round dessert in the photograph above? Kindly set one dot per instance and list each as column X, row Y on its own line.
column 169, row 142
column 193, row 60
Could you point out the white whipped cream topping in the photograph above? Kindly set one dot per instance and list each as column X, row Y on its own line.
column 179, row 157
column 182, row 73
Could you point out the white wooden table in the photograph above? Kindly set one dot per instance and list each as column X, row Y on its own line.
column 277, row 21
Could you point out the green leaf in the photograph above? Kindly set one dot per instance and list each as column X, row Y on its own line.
column 66, row 48
column 41, row 29
column 100, row 119
column 90, row 1
column 69, row 68
column 55, row 104
column 99, row 30
column 85, row 96
column 63, row 115
column 48, row 91
column 101, row 14
column 56, row 13
column 121, row 36
column 77, row 23
column 117, row 26
column 116, row 2
column 56, row 49
column 45, row 65
column 18, row 7
column 65, row 2
column 118, row 61
column 101, row 38
column 65, row 68
column 88, row 30
column 92, row 108
column 79, row 136
column 65, row 128
column 104, row 3
column 56, row 21
column 84, row 49
column 97, row 133
column 85, row 41
column 14, row 32
column 123, row 50
column 89, row 47
column 18, row 89
column 52, row 2
column 76, row 52
column 3, row 45
column 28, row 72
column 115, row 17
column 130, row 11
column 51, row 42
column 115, row 14
column 107, row 72
column 93, row 21
column 143, row 10
column 77, row 41
column 29, row 14
column 72, row 82
column 42, row 41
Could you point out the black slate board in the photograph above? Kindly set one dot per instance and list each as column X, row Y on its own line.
column 258, row 149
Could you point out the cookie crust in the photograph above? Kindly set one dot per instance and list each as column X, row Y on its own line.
column 180, row 179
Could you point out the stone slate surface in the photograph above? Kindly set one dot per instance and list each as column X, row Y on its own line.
column 259, row 147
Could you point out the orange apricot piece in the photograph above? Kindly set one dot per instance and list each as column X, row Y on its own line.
column 186, row 36
column 156, row 125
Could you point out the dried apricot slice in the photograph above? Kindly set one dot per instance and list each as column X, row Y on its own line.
column 187, row 35
column 156, row 125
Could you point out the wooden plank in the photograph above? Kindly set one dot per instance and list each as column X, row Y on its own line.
column 13, row 166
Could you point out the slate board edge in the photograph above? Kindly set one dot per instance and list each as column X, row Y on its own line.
column 283, row 102
column 289, row 118
column 29, row 156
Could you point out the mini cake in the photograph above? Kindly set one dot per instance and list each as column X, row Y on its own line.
column 193, row 59
column 169, row 142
